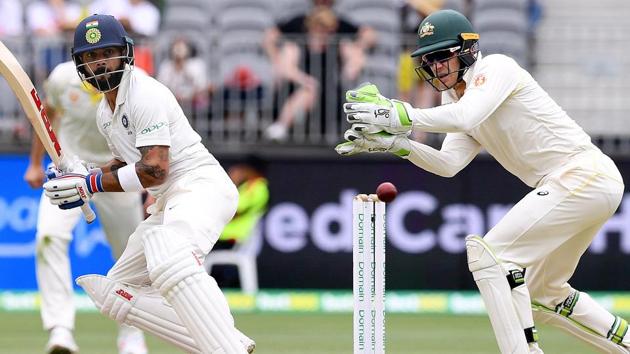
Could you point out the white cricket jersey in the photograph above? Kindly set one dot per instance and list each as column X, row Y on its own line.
column 505, row 111
column 76, row 104
column 148, row 114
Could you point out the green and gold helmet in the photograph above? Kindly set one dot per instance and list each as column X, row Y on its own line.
column 441, row 36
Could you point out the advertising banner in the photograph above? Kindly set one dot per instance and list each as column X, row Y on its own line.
column 306, row 233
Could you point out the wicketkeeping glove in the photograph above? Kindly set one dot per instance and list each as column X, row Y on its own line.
column 366, row 105
column 358, row 142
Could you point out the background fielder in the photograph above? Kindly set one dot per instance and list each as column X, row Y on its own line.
column 72, row 106
column 492, row 103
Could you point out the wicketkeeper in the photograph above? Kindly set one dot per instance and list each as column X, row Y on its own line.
column 530, row 255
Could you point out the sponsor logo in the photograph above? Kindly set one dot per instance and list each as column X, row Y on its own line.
column 197, row 258
column 426, row 30
column 107, row 125
column 153, row 128
column 543, row 193
column 124, row 294
column 47, row 125
column 381, row 112
column 93, row 35
column 81, row 192
column 125, row 121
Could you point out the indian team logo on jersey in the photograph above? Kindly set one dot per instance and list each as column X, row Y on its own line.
column 125, row 121
column 479, row 80
column 426, row 30
column 93, row 35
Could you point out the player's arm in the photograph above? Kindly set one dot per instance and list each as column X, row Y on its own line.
column 112, row 165
column 458, row 149
column 34, row 174
column 482, row 97
column 152, row 170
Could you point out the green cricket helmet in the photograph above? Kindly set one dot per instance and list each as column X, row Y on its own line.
column 441, row 36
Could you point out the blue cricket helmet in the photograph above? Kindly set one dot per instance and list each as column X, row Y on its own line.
column 98, row 32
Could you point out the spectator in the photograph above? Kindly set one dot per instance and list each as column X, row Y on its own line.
column 49, row 21
column 185, row 74
column 253, row 191
column 52, row 17
column 321, row 55
column 11, row 18
column 140, row 18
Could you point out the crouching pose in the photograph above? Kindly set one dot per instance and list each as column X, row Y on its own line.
column 158, row 284
column 492, row 103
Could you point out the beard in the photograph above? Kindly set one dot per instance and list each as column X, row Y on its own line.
column 106, row 80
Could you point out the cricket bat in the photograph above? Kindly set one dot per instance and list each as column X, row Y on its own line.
column 23, row 88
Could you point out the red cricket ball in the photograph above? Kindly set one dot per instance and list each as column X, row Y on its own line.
column 386, row 192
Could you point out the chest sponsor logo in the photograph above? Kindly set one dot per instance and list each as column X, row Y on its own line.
column 543, row 193
column 107, row 125
column 153, row 128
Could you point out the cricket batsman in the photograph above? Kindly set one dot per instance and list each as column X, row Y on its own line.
column 159, row 283
column 72, row 107
column 490, row 102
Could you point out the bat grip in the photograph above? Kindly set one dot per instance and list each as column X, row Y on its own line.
column 88, row 213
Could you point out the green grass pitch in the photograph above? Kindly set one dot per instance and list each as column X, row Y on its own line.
column 295, row 333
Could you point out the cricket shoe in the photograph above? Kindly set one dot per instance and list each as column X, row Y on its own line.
column 247, row 342
column 61, row 341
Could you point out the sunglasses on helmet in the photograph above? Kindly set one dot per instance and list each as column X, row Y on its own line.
column 440, row 55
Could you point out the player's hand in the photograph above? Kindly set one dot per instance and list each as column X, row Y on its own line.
column 34, row 176
column 358, row 142
column 75, row 185
column 366, row 105
column 68, row 191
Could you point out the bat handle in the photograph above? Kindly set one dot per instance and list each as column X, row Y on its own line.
column 88, row 213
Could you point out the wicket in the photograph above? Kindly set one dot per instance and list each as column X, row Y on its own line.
column 368, row 268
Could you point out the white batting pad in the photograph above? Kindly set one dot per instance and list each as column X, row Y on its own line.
column 497, row 296
column 585, row 319
column 143, row 308
column 179, row 275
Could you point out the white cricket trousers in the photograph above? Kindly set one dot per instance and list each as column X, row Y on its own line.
column 195, row 208
column 552, row 226
column 118, row 213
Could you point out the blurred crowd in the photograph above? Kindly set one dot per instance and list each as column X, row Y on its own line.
column 266, row 70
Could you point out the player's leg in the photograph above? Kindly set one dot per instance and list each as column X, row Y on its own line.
column 144, row 308
column 54, row 279
column 556, row 303
column 547, row 218
column 492, row 280
column 193, row 219
column 120, row 214
column 498, row 263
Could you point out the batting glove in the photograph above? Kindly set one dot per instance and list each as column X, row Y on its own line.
column 73, row 188
column 367, row 106
column 358, row 142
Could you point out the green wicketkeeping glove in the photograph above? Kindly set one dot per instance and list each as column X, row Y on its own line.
column 358, row 142
column 366, row 105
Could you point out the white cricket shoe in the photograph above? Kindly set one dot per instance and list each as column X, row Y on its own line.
column 131, row 340
column 248, row 343
column 61, row 341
